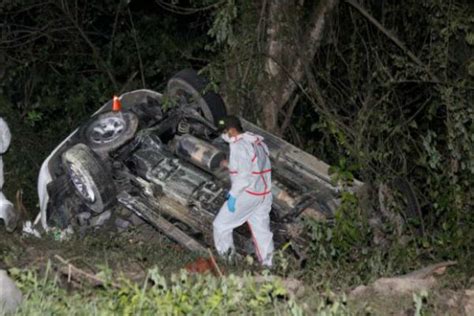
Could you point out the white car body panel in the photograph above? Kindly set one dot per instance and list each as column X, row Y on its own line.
column 44, row 177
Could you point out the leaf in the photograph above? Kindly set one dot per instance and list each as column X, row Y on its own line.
column 470, row 38
column 470, row 68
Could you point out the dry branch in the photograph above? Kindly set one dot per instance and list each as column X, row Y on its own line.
column 95, row 50
column 71, row 270
column 289, row 114
column 392, row 37
column 214, row 262
column 172, row 7
column 140, row 62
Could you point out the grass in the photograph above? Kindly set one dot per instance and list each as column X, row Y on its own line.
column 180, row 294
column 143, row 273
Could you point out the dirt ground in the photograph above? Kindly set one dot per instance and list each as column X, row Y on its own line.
column 132, row 253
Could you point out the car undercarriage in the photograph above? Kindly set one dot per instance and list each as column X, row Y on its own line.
column 159, row 158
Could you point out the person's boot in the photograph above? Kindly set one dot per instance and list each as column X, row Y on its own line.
column 230, row 257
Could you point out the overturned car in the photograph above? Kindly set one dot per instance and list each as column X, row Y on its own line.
column 159, row 156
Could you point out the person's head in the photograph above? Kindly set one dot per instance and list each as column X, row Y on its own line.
column 230, row 126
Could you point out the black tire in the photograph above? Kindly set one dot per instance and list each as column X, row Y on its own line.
column 109, row 131
column 89, row 177
column 188, row 82
column 60, row 190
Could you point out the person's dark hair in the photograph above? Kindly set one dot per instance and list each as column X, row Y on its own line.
column 228, row 122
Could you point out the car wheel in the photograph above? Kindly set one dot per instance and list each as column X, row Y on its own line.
column 109, row 131
column 89, row 177
column 189, row 85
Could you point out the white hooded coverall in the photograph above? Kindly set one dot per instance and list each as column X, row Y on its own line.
column 6, row 207
column 250, row 172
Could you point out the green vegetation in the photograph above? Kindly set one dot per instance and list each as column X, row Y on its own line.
column 181, row 294
column 397, row 117
column 389, row 104
column 141, row 272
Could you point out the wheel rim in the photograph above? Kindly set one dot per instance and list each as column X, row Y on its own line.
column 82, row 183
column 107, row 129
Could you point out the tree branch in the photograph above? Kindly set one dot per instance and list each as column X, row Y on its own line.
column 73, row 269
column 289, row 114
column 171, row 7
column 94, row 49
column 134, row 32
column 393, row 38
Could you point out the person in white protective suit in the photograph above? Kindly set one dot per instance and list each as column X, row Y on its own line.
column 7, row 212
column 250, row 198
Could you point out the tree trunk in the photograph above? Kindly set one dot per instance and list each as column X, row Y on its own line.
column 286, row 56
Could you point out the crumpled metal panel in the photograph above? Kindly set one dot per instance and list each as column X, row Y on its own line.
column 140, row 207
column 177, row 178
column 297, row 165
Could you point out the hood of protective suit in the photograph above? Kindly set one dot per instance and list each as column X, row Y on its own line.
column 226, row 138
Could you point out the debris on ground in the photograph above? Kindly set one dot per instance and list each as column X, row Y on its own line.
column 202, row 265
column 416, row 281
column 467, row 302
column 10, row 295
column 28, row 229
column 78, row 275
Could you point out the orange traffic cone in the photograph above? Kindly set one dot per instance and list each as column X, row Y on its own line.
column 116, row 105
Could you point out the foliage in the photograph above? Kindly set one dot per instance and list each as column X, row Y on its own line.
column 390, row 113
column 348, row 238
column 181, row 294
column 395, row 118
column 365, row 106
column 419, row 299
column 222, row 29
column 342, row 173
column 60, row 61
column 237, row 32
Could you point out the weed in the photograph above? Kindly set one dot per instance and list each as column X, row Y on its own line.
column 181, row 294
